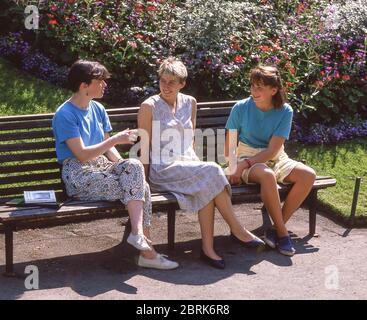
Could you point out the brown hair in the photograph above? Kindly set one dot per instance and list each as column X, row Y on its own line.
column 86, row 71
column 270, row 76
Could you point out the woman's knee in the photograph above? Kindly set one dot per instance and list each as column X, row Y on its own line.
column 309, row 174
column 263, row 174
column 304, row 174
column 136, row 164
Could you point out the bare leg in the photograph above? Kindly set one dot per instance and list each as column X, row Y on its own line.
column 263, row 175
column 224, row 204
column 206, row 220
column 135, row 209
column 302, row 178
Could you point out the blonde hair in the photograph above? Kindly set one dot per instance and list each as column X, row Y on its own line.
column 270, row 76
column 173, row 67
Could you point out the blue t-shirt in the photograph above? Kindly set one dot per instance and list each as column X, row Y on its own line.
column 70, row 121
column 256, row 127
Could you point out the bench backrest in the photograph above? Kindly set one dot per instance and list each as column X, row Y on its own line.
column 27, row 149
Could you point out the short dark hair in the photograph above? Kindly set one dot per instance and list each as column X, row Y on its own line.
column 85, row 71
column 270, row 76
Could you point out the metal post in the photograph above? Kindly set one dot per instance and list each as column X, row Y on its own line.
column 355, row 200
column 9, row 251
column 171, row 220
column 312, row 197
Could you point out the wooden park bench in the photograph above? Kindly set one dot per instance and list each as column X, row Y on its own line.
column 28, row 163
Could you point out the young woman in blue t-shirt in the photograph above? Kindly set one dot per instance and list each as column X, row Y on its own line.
column 256, row 131
column 92, row 168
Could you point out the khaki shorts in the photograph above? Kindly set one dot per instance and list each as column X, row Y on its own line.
column 282, row 165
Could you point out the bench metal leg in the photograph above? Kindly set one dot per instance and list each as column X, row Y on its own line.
column 9, row 251
column 126, row 231
column 312, row 202
column 267, row 222
column 171, row 219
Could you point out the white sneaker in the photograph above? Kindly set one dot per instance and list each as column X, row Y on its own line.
column 159, row 262
column 139, row 241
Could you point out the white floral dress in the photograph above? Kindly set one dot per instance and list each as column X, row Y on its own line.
column 174, row 166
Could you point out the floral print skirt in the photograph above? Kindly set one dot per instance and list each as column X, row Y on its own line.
column 101, row 179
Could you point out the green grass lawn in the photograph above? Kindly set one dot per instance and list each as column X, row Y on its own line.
column 345, row 162
column 24, row 94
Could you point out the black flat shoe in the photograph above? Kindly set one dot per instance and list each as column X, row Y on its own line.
column 255, row 243
column 218, row 264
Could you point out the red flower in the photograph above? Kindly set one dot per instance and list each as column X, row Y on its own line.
column 53, row 7
column 346, row 77
column 301, row 7
column 238, row 58
column 264, row 48
column 151, row 8
column 70, row 1
column 139, row 36
column 53, row 22
column 139, row 7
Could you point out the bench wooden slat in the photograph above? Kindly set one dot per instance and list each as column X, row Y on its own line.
column 26, row 117
column 19, row 190
column 13, row 125
column 19, row 168
column 27, row 146
column 122, row 126
column 216, row 104
column 26, row 135
column 216, row 121
column 123, row 117
column 30, row 177
column 60, row 195
column 219, row 111
column 8, row 213
column 28, row 156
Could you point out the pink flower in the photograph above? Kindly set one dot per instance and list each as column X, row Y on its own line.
column 133, row 44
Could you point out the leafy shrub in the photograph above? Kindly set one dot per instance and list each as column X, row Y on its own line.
column 319, row 45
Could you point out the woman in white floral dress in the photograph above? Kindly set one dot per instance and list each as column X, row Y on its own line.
column 168, row 120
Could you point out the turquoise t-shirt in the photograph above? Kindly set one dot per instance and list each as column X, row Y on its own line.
column 256, row 127
column 70, row 121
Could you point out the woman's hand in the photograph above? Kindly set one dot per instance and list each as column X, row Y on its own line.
column 235, row 178
column 123, row 137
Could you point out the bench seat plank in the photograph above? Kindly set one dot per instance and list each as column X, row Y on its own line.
column 8, row 213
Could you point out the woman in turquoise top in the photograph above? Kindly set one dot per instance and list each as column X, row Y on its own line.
column 262, row 123
column 92, row 168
